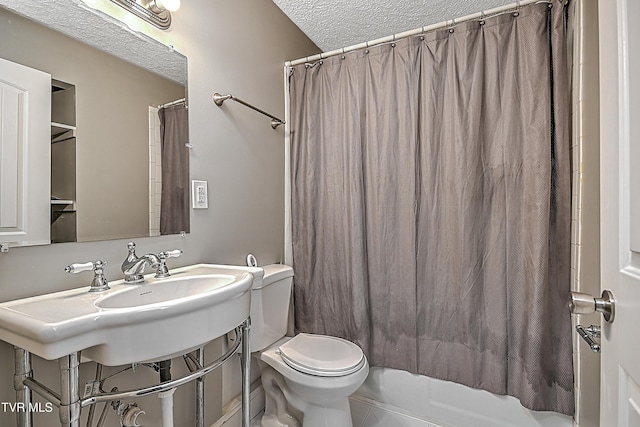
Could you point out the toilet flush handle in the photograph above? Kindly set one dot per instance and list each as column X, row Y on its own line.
column 252, row 261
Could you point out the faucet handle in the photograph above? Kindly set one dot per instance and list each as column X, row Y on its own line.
column 99, row 282
column 175, row 253
column 79, row 267
column 162, row 270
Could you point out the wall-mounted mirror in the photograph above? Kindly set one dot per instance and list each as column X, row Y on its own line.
column 110, row 166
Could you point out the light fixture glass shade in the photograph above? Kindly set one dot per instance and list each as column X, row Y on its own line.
column 149, row 11
column 170, row 5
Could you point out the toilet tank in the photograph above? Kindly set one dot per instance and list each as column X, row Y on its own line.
column 270, row 306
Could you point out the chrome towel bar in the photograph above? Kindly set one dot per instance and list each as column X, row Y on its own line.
column 219, row 100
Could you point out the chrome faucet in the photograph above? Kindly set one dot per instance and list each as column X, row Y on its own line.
column 133, row 266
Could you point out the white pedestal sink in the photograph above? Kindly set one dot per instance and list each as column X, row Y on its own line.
column 155, row 320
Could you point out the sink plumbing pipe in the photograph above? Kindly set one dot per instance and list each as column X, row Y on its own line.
column 166, row 397
column 128, row 413
column 166, row 405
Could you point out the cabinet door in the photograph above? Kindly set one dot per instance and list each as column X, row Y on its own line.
column 25, row 153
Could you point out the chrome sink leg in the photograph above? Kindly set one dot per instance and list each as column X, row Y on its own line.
column 69, row 397
column 23, row 393
column 245, row 366
column 200, row 390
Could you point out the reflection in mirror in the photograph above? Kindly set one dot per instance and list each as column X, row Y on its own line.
column 119, row 131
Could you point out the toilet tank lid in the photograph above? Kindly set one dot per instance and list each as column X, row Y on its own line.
column 274, row 273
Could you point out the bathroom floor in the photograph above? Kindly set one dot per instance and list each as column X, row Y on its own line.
column 365, row 414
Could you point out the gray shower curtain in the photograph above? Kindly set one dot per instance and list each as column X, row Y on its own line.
column 174, row 202
column 431, row 204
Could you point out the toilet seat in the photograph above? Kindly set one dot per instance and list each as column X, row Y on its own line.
column 322, row 355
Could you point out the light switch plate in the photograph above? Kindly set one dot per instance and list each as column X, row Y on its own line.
column 199, row 195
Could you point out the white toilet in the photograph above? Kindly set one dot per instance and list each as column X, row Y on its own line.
column 307, row 378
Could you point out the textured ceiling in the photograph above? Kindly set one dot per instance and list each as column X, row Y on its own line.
column 333, row 24
column 330, row 24
column 75, row 19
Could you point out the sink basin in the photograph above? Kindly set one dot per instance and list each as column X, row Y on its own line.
column 155, row 320
column 174, row 289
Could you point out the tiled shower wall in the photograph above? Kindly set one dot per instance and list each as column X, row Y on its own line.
column 155, row 172
column 585, row 236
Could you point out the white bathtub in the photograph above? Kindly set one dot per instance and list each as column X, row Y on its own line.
column 392, row 398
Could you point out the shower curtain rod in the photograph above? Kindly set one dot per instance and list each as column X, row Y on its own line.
column 177, row 101
column 449, row 23
column 219, row 100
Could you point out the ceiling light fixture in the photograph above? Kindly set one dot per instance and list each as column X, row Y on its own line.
column 155, row 12
column 170, row 5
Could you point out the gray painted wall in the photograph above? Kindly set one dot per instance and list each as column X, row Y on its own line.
column 232, row 46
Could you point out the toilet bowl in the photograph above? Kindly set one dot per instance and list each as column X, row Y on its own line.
column 316, row 374
column 307, row 378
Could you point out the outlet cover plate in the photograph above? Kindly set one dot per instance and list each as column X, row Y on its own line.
column 199, row 194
